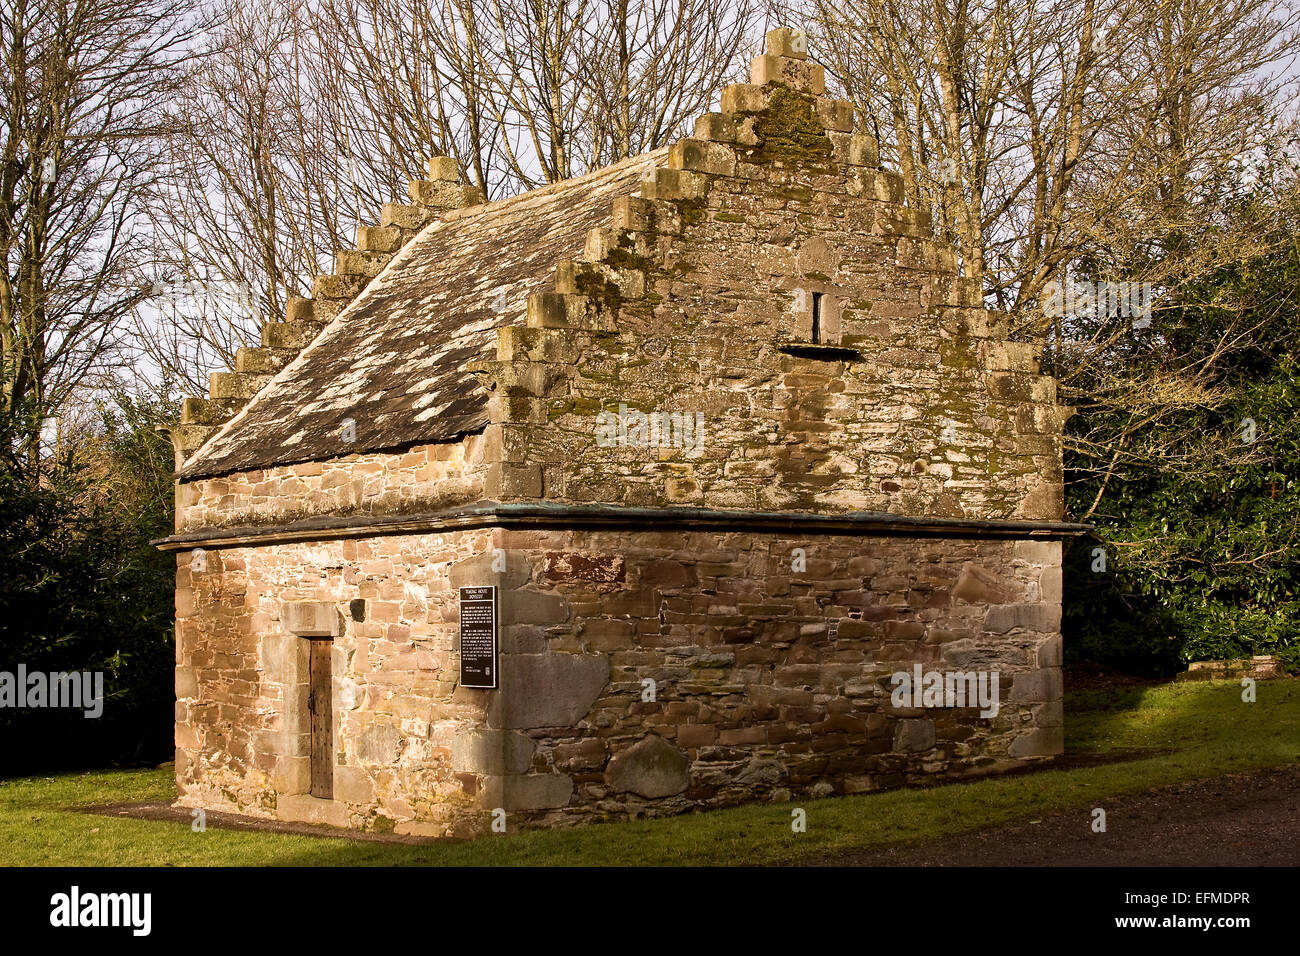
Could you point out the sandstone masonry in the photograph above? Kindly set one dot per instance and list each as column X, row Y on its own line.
column 875, row 483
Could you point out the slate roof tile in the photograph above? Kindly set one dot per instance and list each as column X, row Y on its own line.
column 394, row 359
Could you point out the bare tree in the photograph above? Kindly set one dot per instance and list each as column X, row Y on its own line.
column 1055, row 140
column 301, row 117
column 653, row 65
column 521, row 92
column 1029, row 128
column 80, row 93
column 238, row 225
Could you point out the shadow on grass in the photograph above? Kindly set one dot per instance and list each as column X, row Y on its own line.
column 1194, row 731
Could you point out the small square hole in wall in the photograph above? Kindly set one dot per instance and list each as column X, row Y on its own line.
column 357, row 608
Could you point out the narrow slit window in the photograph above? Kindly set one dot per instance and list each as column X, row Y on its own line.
column 817, row 318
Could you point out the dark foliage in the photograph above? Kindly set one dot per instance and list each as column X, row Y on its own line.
column 83, row 590
column 1201, row 524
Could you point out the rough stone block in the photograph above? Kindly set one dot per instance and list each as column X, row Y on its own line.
column 802, row 75
column 312, row 619
column 557, row 310
column 507, row 569
column 379, row 746
column 203, row 411
column 308, row 809
column 863, row 150
column 716, row 127
column 289, row 335
column 835, row 115
column 300, row 310
column 913, row 736
column 977, row 585
column 673, row 184
column 1039, row 552
column 536, row 791
column 1050, row 585
column 546, row 690
column 411, row 218
column 1039, row 742
column 379, row 238
column 502, row 481
column 702, row 156
column 291, row 775
column 888, row 186
column 1039, row 685
column 633, row 213
column 651, row 768
column 357, row 262
column 235, row 384
column 444, row 195
column 262, row 361
column 783, row 41
column 352, row 785
column 443, row 169
column 493, row 752
column 1049, row 652
column 745, row 98
column 1030, row 617
column 337, row 287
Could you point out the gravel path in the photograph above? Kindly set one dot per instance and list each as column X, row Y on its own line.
column 1238, row 820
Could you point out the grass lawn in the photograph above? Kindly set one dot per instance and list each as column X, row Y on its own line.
column 1206, row 727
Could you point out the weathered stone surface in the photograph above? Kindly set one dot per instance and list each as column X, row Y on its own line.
column 312, row 619
column 379, row 746
column 535, row 791
column 532, row 607
column 652, row 767
column 746, row 690
column 979, row 586
column 1044, row 684
column 352, row 785
column 547, row 690
column 308, row 809
column 481, row 569
column 914, row 735
column 492, row 752
column 658, row 666
column 1034, row 617
column 1039, row 742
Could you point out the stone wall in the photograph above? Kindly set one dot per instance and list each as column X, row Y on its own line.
column 423, row 477
column 242, row 734
column 699, row 298
column 770, row 681
column 769, row 684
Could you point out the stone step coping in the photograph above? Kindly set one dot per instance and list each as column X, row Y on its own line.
column 553, row 514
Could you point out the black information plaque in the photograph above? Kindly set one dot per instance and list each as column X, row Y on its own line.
column 478, row 637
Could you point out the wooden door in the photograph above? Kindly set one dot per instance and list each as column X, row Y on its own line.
column 320, row 703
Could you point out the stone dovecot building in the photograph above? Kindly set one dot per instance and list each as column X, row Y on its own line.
column 727, row 432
